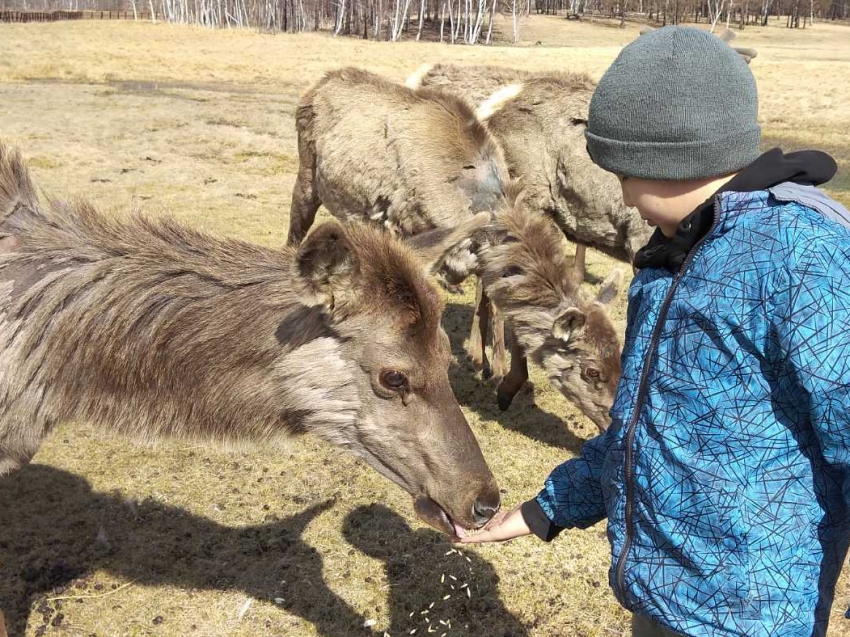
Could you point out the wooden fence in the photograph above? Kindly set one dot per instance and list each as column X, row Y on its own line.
column 53, row 16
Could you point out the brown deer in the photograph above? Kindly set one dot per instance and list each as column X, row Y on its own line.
column 410, row 161
column 529, row 277
column 539, row 119
column 147, row 327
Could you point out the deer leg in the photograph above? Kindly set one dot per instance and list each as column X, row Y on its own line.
column 581, row 258
column 499, row 356
column 305, row 196
column 513, row 382
column 478, row 338
column 10, row 464
column 18, row 445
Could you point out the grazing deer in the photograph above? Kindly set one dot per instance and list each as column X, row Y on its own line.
column 410, row 161
column 153, row 329
column 531, row 280
column 539, row 119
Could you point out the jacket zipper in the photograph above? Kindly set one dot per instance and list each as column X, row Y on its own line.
column 641, row 396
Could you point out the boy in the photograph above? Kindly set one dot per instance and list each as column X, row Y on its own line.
column 724, row 473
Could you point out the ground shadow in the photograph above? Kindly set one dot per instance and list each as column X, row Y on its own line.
column 524, row 416
column 452, row 590
column 55, row 531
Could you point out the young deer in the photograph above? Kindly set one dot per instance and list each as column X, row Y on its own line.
column 533, row 282
column 410, row 161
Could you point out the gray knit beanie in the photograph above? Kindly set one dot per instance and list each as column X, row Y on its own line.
column 678, row 103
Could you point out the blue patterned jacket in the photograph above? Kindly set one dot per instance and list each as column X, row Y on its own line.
column 724, row 474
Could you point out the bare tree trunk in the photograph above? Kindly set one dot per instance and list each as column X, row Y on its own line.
column 492, row 15
column 442, row 21
column 421, row 16
column 715, row 10
column 339, row 18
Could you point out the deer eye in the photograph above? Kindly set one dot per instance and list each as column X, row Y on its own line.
column 511, row 271
column 592, row 373
column 393, row 379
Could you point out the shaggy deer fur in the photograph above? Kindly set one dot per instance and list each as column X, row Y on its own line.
column 408, row 160
column 539, row 119
column 411, row 161
column 153, row 329
column 533, row 283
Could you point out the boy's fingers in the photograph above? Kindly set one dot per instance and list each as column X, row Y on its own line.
column 508, row 526
column 487, row 535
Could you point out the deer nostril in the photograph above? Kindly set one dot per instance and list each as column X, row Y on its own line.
column 483, row 512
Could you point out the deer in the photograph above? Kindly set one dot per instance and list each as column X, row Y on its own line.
column 531, row 279
column 408, row 160
column 539, row 120
column 149, row 328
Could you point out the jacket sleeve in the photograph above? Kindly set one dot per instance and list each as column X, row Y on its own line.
column 812, row 325
column 572, row 494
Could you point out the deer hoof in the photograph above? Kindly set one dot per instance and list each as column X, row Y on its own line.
column 505, row 399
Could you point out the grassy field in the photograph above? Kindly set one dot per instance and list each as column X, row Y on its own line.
column 101, row 536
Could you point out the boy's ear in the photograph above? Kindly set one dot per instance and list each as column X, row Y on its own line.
column 568, row 323
column 432, row 246
column 328, row 265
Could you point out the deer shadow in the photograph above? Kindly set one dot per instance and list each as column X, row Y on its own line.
column 50, row 538
column 524, row 416
column 451, row 590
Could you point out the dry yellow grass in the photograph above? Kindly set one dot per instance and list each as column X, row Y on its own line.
column 182, row 539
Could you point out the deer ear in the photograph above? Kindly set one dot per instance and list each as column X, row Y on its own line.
column 610, row 287
column 746, row 54
column 327, row 264
column 433, row 246
column 568, row 323
column 727, row 35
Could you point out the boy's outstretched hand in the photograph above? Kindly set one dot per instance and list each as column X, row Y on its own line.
column 505, row 525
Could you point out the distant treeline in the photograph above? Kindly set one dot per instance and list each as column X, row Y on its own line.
column 455, row 21
column 17, row 15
